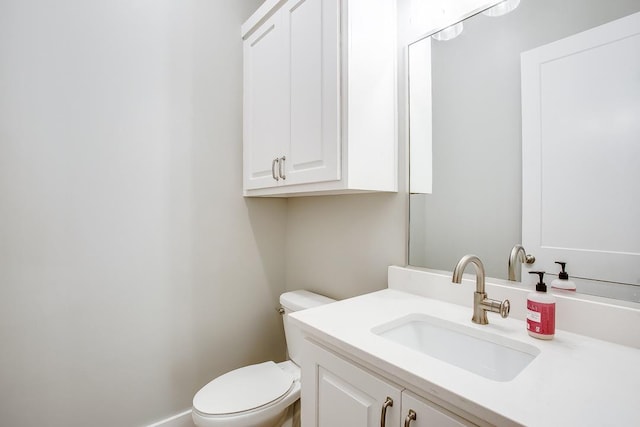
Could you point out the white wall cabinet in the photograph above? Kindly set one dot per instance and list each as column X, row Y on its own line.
column 320, row 98
column 336, row 392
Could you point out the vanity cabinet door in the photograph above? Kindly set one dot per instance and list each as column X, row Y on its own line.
column 427, row 414
column 338, row 393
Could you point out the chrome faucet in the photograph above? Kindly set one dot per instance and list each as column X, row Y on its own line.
column 481, row 304
column 518, row 254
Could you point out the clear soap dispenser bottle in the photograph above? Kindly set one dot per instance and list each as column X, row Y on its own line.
column 563, row 282
column 541, row 311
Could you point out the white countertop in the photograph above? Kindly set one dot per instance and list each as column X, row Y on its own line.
column 575, row 380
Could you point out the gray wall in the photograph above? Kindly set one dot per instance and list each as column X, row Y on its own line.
column 132, row 271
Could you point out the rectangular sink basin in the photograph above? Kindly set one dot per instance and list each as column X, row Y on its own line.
column 480, row 352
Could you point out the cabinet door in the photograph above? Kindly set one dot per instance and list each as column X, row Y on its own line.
column 428, row 413
column 314, row 58
column 266, row 102
column 337, row 393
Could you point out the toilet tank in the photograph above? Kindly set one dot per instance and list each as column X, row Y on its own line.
column 291, row 302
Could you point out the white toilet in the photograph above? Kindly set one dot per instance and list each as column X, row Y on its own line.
column 258, row 395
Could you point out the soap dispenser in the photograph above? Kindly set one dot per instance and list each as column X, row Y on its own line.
column 541, row 311
column 563, row 282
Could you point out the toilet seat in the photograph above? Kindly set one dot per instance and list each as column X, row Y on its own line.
column 269, row 412
column 243, row 389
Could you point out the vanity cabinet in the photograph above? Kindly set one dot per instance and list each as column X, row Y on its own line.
column 337, row 392
column 319, row 101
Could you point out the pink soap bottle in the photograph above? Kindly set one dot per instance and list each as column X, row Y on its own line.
column 541, row 311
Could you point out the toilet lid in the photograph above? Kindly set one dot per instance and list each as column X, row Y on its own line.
column 243, row 389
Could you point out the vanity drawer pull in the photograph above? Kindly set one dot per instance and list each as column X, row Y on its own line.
column 410, row 417
column 383, row 415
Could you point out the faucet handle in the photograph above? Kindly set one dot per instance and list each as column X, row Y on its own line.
column 505, row 307
column 495, row 306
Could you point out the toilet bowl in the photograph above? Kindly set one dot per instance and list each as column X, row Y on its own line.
column 258, row 395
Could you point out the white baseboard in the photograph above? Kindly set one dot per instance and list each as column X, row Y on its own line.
column 183, row 419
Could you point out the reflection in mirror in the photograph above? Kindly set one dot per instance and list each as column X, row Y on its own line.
column 475, row 205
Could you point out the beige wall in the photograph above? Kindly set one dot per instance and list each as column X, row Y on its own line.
column 341, row 246
column 132, row 271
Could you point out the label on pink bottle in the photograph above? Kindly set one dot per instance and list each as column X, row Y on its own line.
column 541, row 317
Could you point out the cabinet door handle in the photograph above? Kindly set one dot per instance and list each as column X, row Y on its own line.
column 281, row 167
column 273, row 169
column 383, row 415
column 410, row 417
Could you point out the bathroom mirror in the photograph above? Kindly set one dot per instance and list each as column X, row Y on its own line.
column 474, row 198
